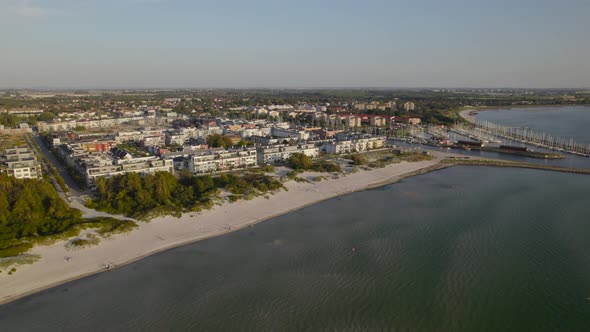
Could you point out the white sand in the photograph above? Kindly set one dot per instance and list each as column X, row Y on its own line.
column 168, row 232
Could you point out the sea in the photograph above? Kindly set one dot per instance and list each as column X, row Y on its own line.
column 460, row 249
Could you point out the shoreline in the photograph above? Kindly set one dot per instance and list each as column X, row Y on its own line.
column 165, row 233
column 124, row 249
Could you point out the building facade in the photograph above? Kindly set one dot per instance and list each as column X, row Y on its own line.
column 280, row 153
column 21, row 163
column 219, row 161
column 354, row 145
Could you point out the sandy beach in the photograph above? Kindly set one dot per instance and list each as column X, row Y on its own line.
column 168, row 232
column 468, row 115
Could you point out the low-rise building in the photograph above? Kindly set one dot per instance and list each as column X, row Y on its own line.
column 265, row 140
column 378, row 121
column 218, row 161
column 290, row 133
column 21, row 163
column 280, row 153
column 409, row 106
column 354, row 145
column 115, row 162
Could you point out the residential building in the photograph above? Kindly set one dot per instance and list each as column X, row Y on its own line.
column 265, row 141
column 290, row 133
column 219, row 161
column 20, row 162
column 280, row 153
column 354, row 145
column 409, row 106
column 115, row 162
column 378, row 121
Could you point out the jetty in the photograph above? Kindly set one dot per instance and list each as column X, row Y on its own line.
column 513, row 164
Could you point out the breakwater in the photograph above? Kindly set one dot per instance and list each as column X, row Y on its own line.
column 501, row 163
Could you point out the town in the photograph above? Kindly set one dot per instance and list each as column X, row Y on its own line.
column 147, row 139
column 208, row 132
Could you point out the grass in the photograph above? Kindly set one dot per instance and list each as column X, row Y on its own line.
column 110, row 226
column 300, row 180
column 12, row 140
column 413, row 157
column 263, row 169
column 23, row 259
column 105, row 227
column 79, row 243
column 382, row 158
column 16, row 249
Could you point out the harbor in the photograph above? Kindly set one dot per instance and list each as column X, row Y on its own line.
column 527, row 136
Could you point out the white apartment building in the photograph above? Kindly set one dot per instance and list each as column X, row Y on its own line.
column 97, row 167
column 355, row 145
column 409, row 106
column 248, row 132
column 290, row 133
column 102, row 123
column 94, row 165
column 20, row 162
column 277, row 154
column 219, row 161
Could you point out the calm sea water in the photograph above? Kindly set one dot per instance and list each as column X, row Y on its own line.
column 462, row 249
column 566, row 121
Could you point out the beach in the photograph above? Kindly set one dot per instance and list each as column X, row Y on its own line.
column 58, row 265
column 468, row 115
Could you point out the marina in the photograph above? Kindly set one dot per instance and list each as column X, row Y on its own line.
column 527, row 136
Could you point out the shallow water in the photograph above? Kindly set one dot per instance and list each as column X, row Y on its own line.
column 562, row 121
column 462, row 249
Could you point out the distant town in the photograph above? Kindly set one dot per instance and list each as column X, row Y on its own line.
column 102, row 134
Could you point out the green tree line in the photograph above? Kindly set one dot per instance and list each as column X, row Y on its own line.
column 31, row 208
column 161, row 193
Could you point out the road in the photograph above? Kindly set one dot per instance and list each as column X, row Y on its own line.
column 75, row 190
column 76, row 197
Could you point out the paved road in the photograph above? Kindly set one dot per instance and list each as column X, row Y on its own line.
column 47, row 170
column 70, row 183
column 76, row 197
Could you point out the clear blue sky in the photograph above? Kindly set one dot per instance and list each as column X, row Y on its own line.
column 304, row 43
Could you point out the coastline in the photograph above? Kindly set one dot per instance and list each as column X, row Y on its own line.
column 165, row 233
column 466, row 114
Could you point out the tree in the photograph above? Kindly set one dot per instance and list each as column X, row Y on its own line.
column 217, row 140
column 299, row 161
column 46, row 116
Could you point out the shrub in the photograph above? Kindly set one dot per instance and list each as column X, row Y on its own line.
column 358, row 159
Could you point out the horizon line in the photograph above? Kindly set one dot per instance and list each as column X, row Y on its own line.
column 172, row 88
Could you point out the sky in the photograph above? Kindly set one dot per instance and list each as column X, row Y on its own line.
column 294, row 44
